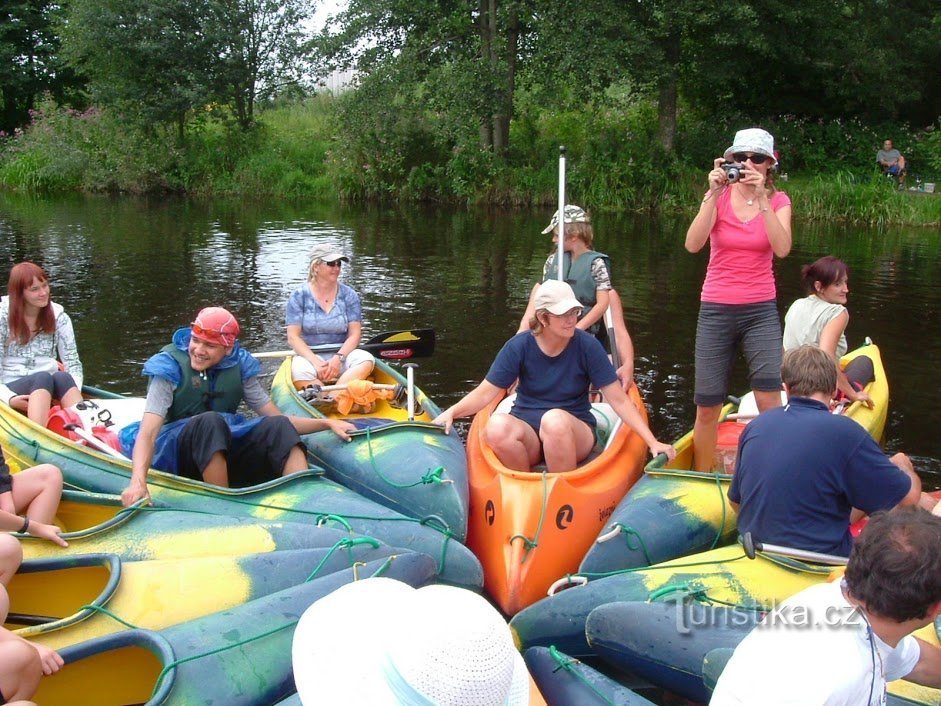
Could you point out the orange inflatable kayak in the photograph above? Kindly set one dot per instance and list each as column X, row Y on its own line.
column 530, row 529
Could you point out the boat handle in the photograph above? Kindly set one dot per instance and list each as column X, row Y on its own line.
column 611, row 534
column 565, row 582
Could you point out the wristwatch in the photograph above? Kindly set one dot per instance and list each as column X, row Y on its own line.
column 341, row 357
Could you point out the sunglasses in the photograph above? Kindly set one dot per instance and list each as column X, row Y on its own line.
column 204, row 333
column 755, row 158
column 333, row 263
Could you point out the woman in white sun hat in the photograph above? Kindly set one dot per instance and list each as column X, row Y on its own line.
column 383, row 643
column 747, row 222
column 555, row 363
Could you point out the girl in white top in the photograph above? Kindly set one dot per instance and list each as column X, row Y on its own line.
column 35, row 336
column 820, row 319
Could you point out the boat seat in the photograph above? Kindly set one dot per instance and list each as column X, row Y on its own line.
column 606, row 420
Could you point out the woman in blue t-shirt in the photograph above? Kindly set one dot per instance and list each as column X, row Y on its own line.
column 325, row 311
column 555, row 364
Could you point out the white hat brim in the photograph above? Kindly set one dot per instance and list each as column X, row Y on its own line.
column 342, row 640
column 338, row 634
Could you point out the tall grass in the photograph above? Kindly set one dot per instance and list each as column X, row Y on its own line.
column 874, row 201
column 310, row 150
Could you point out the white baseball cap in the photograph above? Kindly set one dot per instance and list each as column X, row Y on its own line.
column 556, row 297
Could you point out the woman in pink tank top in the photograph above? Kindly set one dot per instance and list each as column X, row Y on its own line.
column 747, row 222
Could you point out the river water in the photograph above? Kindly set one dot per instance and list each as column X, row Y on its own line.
column 131, row 270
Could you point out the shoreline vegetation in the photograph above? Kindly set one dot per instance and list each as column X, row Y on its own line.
column 317, row 148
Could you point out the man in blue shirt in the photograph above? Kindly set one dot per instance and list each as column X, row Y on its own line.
column 804, row 474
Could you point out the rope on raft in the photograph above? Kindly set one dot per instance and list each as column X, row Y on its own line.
column 434, row 521
column 568, row 664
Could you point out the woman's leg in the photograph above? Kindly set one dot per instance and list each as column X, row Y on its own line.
column 566, row 440
column 37, row 491
column 37, row 389
column 762, row 345
column 716, row 344
column 11, row 556
column 38, row 408
column 514, row 442
column 20, row 668
column 303, row 373
column 357, row 372
column 358, row 366
column 705, row 434
column 65, row 390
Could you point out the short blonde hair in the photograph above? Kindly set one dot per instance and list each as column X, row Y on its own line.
column 582, row 231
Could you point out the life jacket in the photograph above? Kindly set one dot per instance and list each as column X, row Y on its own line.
column 578, row 276
column 214, row 390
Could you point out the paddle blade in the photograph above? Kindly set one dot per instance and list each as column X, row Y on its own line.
column 398, row 345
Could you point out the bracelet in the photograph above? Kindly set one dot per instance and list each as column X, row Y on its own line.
column 25, row 528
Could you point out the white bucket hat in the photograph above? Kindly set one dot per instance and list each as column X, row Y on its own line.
column 383, row 643
column 556, row 297
column 753, row 139
column 573, row 214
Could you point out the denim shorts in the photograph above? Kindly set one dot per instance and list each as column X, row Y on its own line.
column 720, row 331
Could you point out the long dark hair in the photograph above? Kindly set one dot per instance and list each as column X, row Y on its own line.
column 21, row 277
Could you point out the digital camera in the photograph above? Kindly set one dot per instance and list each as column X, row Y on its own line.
column 733, row 170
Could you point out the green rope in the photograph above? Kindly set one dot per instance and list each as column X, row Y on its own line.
column 533, row 543
column 175, row 663
column 700, row 594
column 435, row 523
column 715, row 541
column 655, row 567
column 323, row 519
column 346, row 543
column 429, row 478
column 568, row 664
column 113, row 616
column 629, row 532
column 685, row 588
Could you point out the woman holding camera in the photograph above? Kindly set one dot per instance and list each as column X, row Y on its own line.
column 747, row 222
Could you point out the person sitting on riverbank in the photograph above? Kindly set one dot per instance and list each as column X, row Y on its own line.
column 820, row 319
column 892, row 162
column 840, row 642
column 35, row 492
column 555, row 363
column 22, row 663
column 589, row 274
column 196, row 384
column 326, row 311
column 801, row 471
column 35, row 335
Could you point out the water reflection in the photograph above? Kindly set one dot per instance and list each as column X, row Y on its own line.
column 132, row 270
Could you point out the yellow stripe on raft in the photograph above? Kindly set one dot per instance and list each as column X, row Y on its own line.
column 150, row 594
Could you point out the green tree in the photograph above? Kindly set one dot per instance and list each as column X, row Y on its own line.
column 29, row 60
column 257, row 45
column 161, row 59
column 464, row 52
